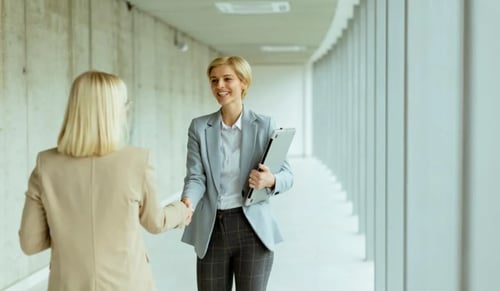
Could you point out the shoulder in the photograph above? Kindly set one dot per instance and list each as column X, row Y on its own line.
column 206, row 118
column 133, row 155
column 126, row 150
column 204, row 121
column 50, row 155
column 49, row 152
column 261, row 119
column 134, row 151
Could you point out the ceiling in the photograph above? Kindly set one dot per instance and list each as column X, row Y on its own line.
column 306, row 24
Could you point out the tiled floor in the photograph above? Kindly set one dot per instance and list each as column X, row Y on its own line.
column 322, row 250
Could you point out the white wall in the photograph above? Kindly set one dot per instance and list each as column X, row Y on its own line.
column 280, row 91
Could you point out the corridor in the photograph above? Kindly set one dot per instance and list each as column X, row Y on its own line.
column 322, row 250
column 398, row 98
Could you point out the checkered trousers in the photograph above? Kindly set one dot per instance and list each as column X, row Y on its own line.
column 234, row 250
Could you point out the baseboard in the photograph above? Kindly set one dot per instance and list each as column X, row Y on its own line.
column 39, row 278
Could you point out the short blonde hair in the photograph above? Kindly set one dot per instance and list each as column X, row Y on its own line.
column 95, row 121
column 240, row 66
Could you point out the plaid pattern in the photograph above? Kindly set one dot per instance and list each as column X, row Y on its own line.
column 234, row 249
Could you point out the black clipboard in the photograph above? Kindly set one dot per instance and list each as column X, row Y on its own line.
column 275, row 154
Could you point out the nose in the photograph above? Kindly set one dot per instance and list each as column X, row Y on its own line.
column 220, row 83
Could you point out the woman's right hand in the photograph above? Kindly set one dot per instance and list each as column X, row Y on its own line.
column 187, row 202
column 189, row 205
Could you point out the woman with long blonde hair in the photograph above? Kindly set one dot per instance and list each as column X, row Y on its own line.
column 87, row 198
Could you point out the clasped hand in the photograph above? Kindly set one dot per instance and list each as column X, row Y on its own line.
column 189, row 205
column 261, row 178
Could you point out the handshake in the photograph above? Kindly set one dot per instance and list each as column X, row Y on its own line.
column 189, row 206
column 175, row 215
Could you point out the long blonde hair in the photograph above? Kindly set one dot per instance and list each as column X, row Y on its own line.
column 95, row 121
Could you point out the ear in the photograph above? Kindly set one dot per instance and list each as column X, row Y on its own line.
column 244, row 88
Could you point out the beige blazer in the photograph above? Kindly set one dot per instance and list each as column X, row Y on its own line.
column 89, row 211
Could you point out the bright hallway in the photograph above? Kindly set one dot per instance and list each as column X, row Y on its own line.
column 398, row 98
column 322, row 251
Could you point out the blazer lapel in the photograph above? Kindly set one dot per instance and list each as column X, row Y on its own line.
column 248, row 138
column 212, row 133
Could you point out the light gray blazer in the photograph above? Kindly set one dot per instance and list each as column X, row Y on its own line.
column 203, row 171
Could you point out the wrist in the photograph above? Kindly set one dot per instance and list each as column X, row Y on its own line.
column 273, row 183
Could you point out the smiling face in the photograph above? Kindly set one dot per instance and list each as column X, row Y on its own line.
column 226, row 87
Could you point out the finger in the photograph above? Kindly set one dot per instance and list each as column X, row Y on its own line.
column 187, row 202
column 251, row 183
column 263, row 168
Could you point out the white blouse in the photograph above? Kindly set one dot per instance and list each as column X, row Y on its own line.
column 230, row 182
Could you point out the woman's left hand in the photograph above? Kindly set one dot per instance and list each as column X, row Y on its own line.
column 261, row 178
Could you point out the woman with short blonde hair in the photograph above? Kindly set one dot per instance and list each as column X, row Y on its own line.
column 232, row 241
column 241, row 68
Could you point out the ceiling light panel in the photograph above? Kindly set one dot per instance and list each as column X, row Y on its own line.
column 257, row 7
column 281, row 49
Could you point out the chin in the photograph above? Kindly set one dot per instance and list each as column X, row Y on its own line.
column 223, row 102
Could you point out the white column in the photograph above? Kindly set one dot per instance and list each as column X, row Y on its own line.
column 482, row 168
column 380, row 146
column 396, row 147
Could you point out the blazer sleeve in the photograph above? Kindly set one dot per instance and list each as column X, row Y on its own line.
column 34, row 233
column 195, row 180
column 154, row 218
column 284, row 179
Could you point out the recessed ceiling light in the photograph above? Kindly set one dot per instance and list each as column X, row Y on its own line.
column 256, row 7
column 281, row 49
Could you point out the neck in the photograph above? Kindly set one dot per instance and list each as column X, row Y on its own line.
column 230, row 114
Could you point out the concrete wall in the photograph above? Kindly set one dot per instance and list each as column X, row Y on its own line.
column 44, row 44
column 414, row 84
